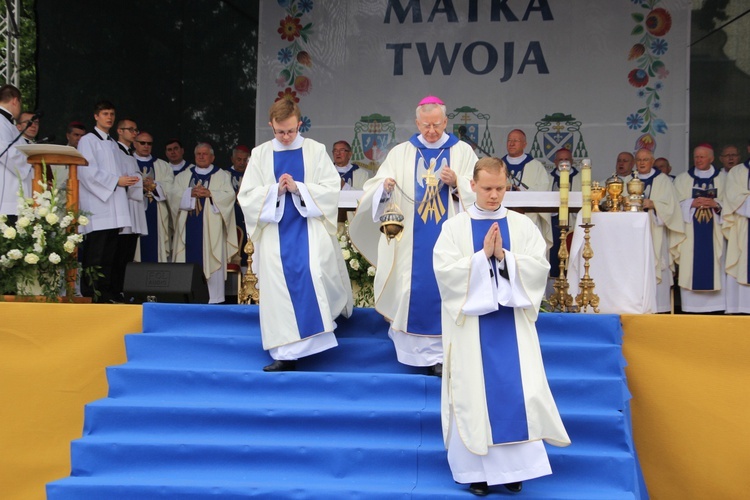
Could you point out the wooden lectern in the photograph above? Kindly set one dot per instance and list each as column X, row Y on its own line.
column 41, row 155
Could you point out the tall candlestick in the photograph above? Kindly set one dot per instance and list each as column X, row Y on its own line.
column 564, row 168
column 586, row 190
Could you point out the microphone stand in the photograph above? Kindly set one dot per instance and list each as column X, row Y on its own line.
column 462, row 135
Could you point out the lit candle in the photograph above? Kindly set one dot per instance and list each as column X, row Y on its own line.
column 586, row 190
column 564, row 191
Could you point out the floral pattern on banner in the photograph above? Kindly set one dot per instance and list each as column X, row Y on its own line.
column 295, row 60
column 650, row 28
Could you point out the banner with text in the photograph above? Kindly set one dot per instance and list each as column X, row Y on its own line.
column 595, row 77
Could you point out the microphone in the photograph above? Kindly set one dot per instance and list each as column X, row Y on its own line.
column 47, row 139
column 37, row 114
column 462, row 135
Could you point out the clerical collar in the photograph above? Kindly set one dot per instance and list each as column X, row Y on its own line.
column 517, row 160
column 101, row 134
column 650, row 174
column 704, row 174
column 475, row 212
column 7, row 114
column 202, row 170
column 434, row 145
column 142, row 158
column 296, row 144
column 345, row 168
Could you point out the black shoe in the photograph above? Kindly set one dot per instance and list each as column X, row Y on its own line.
column 514, row 487
column 281, row 365
column 479, row 489
column 436, row 370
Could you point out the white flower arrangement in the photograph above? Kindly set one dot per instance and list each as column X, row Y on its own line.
column 40, row 247
column 361, row 273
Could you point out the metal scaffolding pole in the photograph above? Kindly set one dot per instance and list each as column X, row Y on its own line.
column 10, row 62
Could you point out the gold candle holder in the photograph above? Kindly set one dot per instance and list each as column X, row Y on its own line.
column 561, row 300
column 586, row 295
column 249, row 293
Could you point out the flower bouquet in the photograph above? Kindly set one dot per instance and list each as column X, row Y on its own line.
column 361, row 273
column 39, row 250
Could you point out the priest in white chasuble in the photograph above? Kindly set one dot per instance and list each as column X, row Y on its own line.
column 158, row 178
column 289, row 196
column 428, row 178
column 205, row 230
column 665, row 219
column 497, row 406
column 701, row 192
column 735, row 229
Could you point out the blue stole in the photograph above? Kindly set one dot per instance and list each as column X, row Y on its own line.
column 703, row 235
column 150, row 242
column 294, row 248
column 647, row 183
column 194, row 221
column 517, row 170
column 554, row 260
column 238, row 215
column 501, row 365
column 430, row 211
column 348, row 176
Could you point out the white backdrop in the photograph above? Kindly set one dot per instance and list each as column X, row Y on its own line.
column 602, row 77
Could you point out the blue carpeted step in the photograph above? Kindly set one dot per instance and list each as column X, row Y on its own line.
column 117, row 487
column 191, row 415
column 313, row 388
column 141, row 421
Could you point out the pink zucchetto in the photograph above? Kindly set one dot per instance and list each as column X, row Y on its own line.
column 431, row 99
column 705, row 145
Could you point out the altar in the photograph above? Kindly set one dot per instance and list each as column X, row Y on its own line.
column 623, row 266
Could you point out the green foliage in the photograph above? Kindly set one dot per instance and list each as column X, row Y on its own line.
column 27, row 53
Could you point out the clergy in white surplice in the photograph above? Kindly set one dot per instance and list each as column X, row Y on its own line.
column 497, row 406
column 289, row 196
column 205, row 230
column 427, row 178
column 736, row 213
column 700, row 191
column 667, row 227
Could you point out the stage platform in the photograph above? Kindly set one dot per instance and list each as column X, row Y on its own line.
column 52, row 360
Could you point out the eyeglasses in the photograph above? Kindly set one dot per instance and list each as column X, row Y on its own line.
column 433, row 126
column 340, row 151
column 132, row 129
column 285, row 132
column 144, row 143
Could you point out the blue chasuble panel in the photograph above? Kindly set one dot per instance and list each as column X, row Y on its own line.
column 501, row 364
column 194, row 221
column 703, row 234
column 430, row 211
column 295, row 249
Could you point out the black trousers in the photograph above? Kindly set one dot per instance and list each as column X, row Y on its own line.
column 98, row 251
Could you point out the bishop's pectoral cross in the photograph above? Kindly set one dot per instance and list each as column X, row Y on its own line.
column 431, row 203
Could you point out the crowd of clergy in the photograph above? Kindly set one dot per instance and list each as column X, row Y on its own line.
column 462, row 266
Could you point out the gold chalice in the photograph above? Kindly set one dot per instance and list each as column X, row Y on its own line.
column 597, row 193
column 615, row 186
